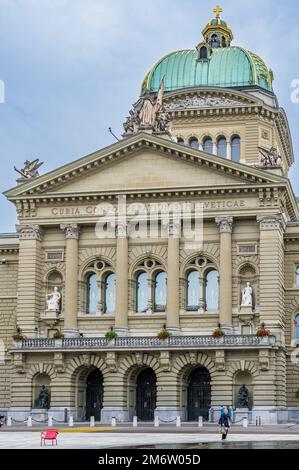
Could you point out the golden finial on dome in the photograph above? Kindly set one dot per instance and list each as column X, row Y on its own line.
column 218, row 10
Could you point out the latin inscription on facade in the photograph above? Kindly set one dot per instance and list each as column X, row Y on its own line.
column 93, row 210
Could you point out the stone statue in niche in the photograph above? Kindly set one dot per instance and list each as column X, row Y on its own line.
column 243, row 398
column 53, row 300
column 43, row 400
column 247, row 296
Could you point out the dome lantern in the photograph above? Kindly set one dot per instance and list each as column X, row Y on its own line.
column 217, row 33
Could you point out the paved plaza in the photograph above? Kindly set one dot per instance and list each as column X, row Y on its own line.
column 123, row 437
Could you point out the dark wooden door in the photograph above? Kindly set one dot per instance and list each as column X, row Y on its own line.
column 199, row 394
column 94, row 395
column 146, row 395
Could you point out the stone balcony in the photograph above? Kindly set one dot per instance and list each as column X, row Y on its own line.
column 143, row 343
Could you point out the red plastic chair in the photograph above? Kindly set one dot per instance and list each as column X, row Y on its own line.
column 50, row 435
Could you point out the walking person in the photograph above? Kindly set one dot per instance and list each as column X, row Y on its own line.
column 224, row 424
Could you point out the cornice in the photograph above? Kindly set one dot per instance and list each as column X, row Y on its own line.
column 112, row 154
column 285, row 135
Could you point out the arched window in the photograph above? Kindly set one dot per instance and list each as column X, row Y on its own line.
column 141, row 293
column 109, row 293
column 212, row 291
column 297, row 326
column 160, row 292
column 193, row 291
column 221, row 147
column 208, row 145
column 223, row 42
column 180, row 140
column 236, row 148
column 92, row 294
column 203, row 53
column 193, row 142
column 297, row 276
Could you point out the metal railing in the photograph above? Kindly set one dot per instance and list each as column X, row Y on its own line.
column 150, row 342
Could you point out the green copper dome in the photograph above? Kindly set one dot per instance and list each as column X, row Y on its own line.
column 227, row 67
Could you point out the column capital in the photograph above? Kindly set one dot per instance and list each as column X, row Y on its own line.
column 122, row 230
column 225, row 224
column 29, row 232
column 174, row 229
column 71, row 231
column 272, row 222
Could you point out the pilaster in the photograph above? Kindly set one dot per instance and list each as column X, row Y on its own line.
column 30, row 302
column 122, row 280
column 173, row 278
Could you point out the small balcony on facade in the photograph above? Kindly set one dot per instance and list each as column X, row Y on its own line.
column 131, row 343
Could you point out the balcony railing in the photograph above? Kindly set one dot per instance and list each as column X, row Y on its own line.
column 142, row 342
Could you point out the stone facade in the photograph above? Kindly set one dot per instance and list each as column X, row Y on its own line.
column 250, row 233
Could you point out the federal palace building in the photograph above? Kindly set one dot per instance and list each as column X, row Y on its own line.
column 110, row 309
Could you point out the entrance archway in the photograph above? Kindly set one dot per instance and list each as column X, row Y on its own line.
column 94, row 395
column 146, row 395
column 199, row 394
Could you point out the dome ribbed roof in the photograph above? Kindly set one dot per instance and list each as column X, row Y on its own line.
column 229, row 67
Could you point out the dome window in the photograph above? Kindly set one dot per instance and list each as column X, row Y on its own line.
column 222, row 147
column 236, row 148
column 203, row 53
column 208, row 145
column 193, row 142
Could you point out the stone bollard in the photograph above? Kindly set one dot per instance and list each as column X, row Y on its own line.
column 50, row 421
column 29, row 422
column 178, row 422
column 200, row 422
column 9, row 421
column 156, row 422
column 135, row 422
column 245, row 423
column 92, row 422
column 113, row 422
column 71, row 422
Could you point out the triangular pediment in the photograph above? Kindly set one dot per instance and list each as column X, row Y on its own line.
column 142, row 162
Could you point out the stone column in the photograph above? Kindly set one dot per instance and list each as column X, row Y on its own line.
column 225, row 225
column 122, row 278
column 229, row 150
column 215, row 147
column 30, row 303
column 72, row 232
column 173, row 279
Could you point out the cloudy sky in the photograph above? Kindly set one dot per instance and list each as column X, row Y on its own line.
column 72, row 68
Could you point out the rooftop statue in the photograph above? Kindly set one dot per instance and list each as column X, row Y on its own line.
column 270, row 158
column 30, row 169
column 149, row 113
